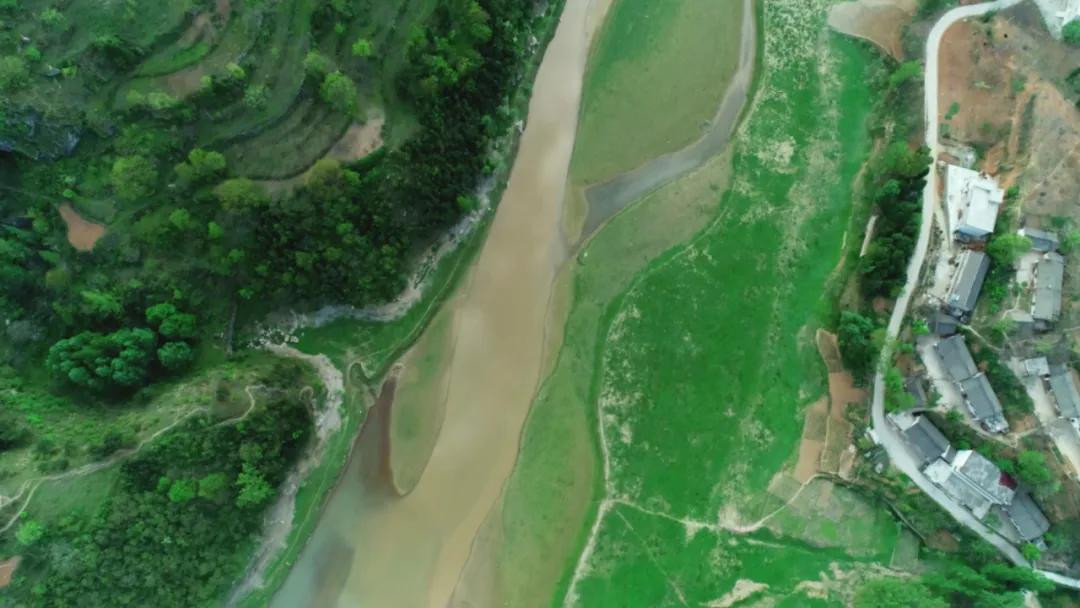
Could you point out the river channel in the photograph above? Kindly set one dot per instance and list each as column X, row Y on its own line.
column 375, row 547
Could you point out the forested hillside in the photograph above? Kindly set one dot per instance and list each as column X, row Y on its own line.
column 171, row 171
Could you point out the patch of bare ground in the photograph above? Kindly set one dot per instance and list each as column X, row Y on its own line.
column 743, row 590
column 826, row 441
column 81, row 232
column 880, row 22
column 207, row 25
column 7, row 570
column 359, row 140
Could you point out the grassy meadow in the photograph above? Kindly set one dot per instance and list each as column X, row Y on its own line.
column 722, row 275
column 656, row 76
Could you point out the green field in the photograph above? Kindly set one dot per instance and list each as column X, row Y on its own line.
column 730, row 313
column 656, row 76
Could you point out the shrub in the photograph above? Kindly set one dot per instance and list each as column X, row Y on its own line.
column 1071, row 32
column 339, row 91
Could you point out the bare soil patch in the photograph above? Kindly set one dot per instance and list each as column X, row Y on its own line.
column 878, row 21
column 81, row 232
column 207, row 25
column 359, row 141
column 7, row 570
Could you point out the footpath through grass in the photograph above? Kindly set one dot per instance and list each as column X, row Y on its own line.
column 655, row 78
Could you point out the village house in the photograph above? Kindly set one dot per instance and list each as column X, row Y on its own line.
column 970, row 478
column 1062, row 386
column 973, row 481
column 973, row 200
column 967, row 283
column 1026, row 516
column 1046, row 297
column 926, row 441
column 1041, row 240
column 978, row 394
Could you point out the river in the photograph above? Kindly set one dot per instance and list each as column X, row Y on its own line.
column 373, row 547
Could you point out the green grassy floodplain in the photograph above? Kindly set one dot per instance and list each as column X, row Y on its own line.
column 657, row 73
column 731, row 313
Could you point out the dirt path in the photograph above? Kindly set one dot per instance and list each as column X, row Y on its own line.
column 30, row 486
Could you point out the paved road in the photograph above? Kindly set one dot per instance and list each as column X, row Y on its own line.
column 888, row 435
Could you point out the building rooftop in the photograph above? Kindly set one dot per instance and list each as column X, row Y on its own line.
column 967, row 282
column 1037, row 366
column 1063, row 386
column 921, row 434
column 984, row 403
column 973, row 481
column 942, row 324
column 1046, row 300
column 973, row 201
column 956, row 358
column 1041, row 240
column 1026, row 516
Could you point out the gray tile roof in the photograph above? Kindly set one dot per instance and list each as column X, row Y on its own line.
column 1063, row 386
column 968, row 281
column 1027, row 517
column 1041, row 240
column 972, row 480
column 956, row 358
column 928, row 441
column 1049, row 275
column 983, row 402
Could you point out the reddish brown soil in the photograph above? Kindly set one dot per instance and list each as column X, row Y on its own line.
column 81, row 232
column 7, row 569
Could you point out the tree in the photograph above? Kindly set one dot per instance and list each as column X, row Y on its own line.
column 29, row 532
column 339, row 91
column 54, row 19
column 1071, row 32
column 214, row 231
column 170, row 322
column 182, row 490
column 1006, row 249
column 256, row 96
column 905, row 72
column 213, row 485
column 133, row 177
column 175, row 356
column 1031, row 467
column 100, row 305
column 253, row 488
column 240, row 194
column 896, row 593
column 13, row 73
column 201, row 166
column 362, row 48
column 317, row 65
column 1031, row 552
column 857, row 348
column 103, row 362
column 180, row 219
column 899, row 159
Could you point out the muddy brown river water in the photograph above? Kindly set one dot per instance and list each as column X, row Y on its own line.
column 375, row 548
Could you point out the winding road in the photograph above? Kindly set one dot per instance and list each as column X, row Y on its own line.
column 888, row 434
